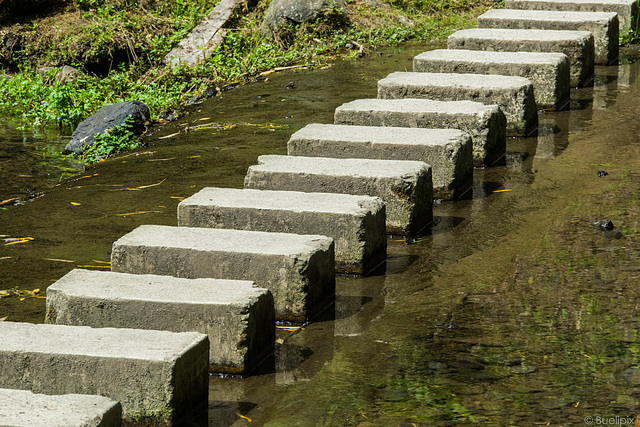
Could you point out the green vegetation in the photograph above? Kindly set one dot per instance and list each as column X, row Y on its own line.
column 114, row 140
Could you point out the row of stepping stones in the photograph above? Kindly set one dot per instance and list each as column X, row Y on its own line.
column 205, row 296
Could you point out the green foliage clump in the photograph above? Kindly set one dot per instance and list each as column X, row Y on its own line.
column 115, row 140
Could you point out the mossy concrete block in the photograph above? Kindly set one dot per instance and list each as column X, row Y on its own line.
column 627, row 10
column 548, row 72
column 486, row 124
column 513, row 94
column 21, row 408
column 299, row 270
column 404, row 186
column 447, row 151
column 603, row 26
column 577, row 45
column 158, row 377
column 356, row 223
column 238, row 317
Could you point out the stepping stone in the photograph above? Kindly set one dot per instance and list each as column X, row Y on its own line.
column 448, row 151
column 603, row 26
column 238, row 317
column 513, row 94
column 627, row 10
column 486, row 124
column 356, row 223
column 298, row 270
column 404, row 186
column 548, row 72
column 577, row 45
column 22, row 408
column 159, row 377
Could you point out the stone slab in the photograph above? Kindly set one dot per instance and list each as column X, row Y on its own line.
column 299, row 270
column 513, row 94
column 603, row 26
column 627, row 10
column 21, row 408
column 238, row 317
column 356, row 223
column 577, row 45
column 548, row 72
column 447, row 151
column 158, row 377
column 486, row 124
column 404, row 186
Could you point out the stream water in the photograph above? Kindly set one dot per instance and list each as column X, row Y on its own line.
column 515, row 310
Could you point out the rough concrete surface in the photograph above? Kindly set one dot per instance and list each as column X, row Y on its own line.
column 548, row 72
column 486, row 124
column 447, row 151
column 157, row 376
column 22, row 408
column 577, row 45
column 513, row 94
column 237, row 317
column 299, row 270
column 405, row 186
column 356, row 223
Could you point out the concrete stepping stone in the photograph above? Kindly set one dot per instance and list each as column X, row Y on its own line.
column 603, row 26
column 356, row 223
column 238, row 317
column 158, row 377
column 577, row 45
column 513, row 94
column 298, row 270
column 21, row 408
column 548, row 72
column 486, row 124
column 627, row 10
column 448, row 151
column 404, row 186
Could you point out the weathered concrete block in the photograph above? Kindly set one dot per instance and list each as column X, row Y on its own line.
column 627, row 10
column 158, row 377
column 356, row 223
column 548, row 72
column 448, row 151
column 404, row 186
column 238, row 317
column 486, row 124
column 577, row 45
column 20, row 408
column 603, row 26
column 298, row 270
column 513, row 94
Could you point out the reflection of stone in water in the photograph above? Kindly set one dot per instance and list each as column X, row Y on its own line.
column 628, row 74
column 230, row 396
column 605, row 85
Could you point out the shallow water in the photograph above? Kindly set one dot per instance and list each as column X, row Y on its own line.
column 516, row 310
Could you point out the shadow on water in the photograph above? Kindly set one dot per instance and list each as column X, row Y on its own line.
column 514, row 310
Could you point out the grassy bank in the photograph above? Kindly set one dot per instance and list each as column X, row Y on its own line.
column 119, row 46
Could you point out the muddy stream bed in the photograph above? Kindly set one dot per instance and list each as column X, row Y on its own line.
column 515, row 310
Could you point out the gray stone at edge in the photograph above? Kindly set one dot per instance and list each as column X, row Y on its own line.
column 158, row 376
column 447, row 151
column 627, row 10
column 404, row 186
column 298, row 270
column 549, row 72
column 577, row 45
column 486, row 124
column 22, row 408
column 238, row 317
column 106, row 118
column 356, row 223
column 513, row 94
column 297, row 11
column 603, row 26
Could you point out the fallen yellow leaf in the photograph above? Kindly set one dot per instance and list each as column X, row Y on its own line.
column 75, row 203
column 94, row 266
column 169, row 136
column 501, row 191
column 59, row 260
column 193, row 157
column 243, row 417
column 137, row 213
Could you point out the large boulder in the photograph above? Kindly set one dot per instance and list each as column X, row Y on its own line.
column 297, row 11
column 106, row 118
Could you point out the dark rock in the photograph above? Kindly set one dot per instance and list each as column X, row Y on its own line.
column 298, row 11
column 631, row 376
column 606, row 225
column 106, row 118
column 602, row 174
column 290, row 85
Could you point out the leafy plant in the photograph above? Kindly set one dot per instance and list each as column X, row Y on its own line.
column 114, row 140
